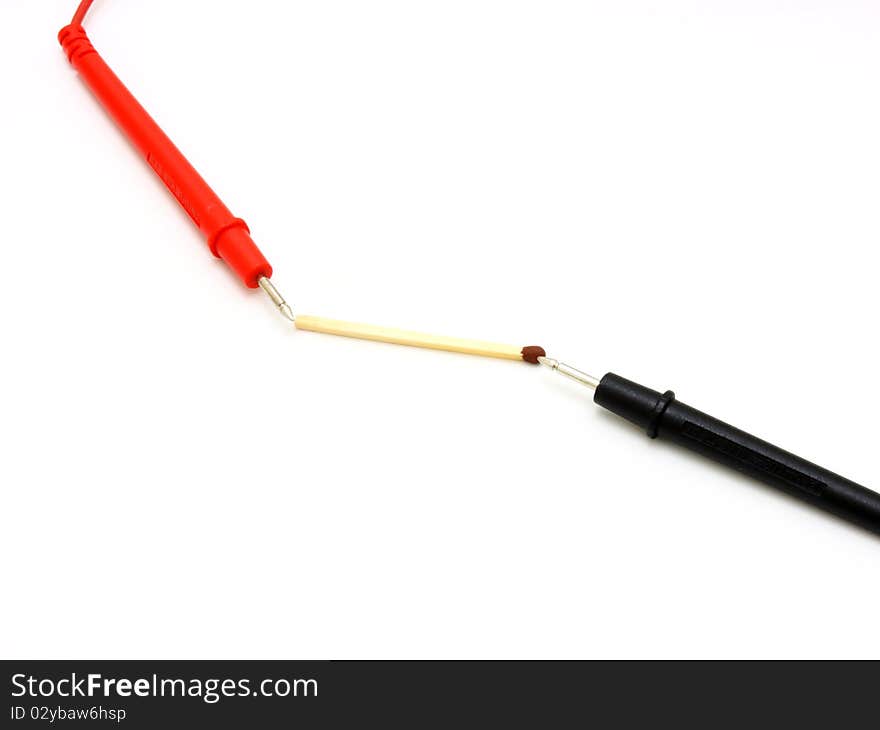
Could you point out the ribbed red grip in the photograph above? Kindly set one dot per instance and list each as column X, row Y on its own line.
column 228, row 237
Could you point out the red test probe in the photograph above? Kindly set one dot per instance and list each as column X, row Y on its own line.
column 228, row 237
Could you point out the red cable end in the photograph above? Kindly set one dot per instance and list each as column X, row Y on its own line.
column 228, row 237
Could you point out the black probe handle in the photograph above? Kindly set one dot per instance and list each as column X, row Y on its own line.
column 661, row 415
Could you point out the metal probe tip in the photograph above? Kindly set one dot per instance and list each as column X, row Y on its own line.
column 267, row 286
column 570, row 372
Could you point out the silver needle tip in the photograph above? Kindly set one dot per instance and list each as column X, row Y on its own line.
column 570, row 372
column 287, row 311
column 267, row 286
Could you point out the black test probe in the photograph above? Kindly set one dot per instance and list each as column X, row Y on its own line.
column 662, row 416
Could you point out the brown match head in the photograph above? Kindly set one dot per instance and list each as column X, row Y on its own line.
column 531, row 353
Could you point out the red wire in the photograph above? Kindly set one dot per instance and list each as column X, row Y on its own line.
column 81, row 12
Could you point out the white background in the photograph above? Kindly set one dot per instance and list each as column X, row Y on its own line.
column 683, row 192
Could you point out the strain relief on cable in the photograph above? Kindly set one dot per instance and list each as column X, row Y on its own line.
column 75, row 42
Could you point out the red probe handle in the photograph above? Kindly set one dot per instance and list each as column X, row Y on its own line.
column 228, row 237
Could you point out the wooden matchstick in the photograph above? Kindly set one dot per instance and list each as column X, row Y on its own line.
column 417, row 339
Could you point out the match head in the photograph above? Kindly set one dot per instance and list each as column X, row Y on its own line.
column 531, row 353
